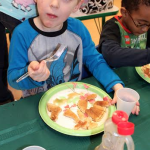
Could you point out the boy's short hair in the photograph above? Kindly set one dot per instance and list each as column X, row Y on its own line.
column 134, row 4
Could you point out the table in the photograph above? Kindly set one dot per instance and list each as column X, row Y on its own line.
column 103, row 14
column 21, row 124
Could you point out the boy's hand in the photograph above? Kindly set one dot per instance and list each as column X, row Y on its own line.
column 136, row 108
column 116, row 87
column 38, row 71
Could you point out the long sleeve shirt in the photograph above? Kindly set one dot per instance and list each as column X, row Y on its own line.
column 28, row 44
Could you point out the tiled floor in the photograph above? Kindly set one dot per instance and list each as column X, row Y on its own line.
column 90, row 24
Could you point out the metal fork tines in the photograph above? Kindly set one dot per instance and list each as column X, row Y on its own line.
column 54, row 56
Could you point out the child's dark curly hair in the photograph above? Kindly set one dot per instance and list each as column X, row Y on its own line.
column 134, row 4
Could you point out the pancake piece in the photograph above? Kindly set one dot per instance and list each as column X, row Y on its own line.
column 91, row 96
column 96, row 112
column 92, row 125
column 71, row 114
column 82, row 104
column 99, row 111
column 81, row 125
column 102, row 103
column 54, row 109
column 80, row 115
column 91, row 114
column 146, row 70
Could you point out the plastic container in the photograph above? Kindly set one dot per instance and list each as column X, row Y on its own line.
column 34, row 148
column 117, row 132
column 126, row 99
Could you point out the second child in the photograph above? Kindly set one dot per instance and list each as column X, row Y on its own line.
column 125, row 39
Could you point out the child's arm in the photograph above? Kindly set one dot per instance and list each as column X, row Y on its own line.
column 95, row 62
column 99, row 68
column 116, row 56
column 18, row 58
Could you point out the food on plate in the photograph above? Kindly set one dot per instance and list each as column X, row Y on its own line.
column 71, row 95
column 71, row 114
column 54, row 109
column 81, row 114
column 96, row 112
column 92, row 125
column 146, row 70
column 81, row 125
column 102, row 103
column 82, row 105
column 60, row 101
column 63, row 101
column 86, row 124
column 99, row 111
column 91, row 114
column 91, row 96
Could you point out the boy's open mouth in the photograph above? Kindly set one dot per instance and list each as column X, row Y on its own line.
column 52, row 16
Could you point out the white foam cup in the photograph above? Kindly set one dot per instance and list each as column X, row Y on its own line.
column 34, row 148
column 126, row 99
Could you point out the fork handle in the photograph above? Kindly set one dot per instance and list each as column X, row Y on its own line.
column 22, row 77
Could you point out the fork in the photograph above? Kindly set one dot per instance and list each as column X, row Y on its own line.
column 55, row 56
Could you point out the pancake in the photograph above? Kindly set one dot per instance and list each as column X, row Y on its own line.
column 54, row 109
column 71, row 114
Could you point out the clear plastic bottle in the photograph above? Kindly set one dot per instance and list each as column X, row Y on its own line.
column 117, row 132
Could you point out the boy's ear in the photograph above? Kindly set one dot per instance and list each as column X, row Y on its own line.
column 78, row 5
column 123, row 11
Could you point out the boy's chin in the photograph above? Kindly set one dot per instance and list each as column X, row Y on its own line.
column 137, row 34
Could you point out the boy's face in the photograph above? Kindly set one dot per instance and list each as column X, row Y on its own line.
column 52, row 13
column 137, row 21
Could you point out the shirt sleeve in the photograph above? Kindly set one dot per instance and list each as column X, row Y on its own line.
column 18, row 58
column 117, row 56
column 110, row 32
column 95, row 62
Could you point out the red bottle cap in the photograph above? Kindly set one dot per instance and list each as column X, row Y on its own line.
column 125, row 128
column 119, row 116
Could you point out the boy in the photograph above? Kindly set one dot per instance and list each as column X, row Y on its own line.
column 125, row 39
column 12, row 13
column 35, row 40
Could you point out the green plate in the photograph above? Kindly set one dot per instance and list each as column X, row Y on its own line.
column 64, row 125
column 141, row 74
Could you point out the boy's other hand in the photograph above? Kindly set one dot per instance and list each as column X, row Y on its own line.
column 115, row 88
column 135, row 110
column 38, row 71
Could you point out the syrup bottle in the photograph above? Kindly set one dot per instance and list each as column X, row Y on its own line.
column 117, row 132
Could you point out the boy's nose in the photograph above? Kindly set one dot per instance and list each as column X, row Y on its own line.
column 145, row 29
column 54, row 3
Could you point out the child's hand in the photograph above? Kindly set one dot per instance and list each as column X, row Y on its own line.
column 115, row 88
column 38, row 71
column 135, row 110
